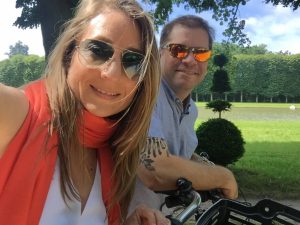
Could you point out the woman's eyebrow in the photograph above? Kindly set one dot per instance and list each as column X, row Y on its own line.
column 109, row 41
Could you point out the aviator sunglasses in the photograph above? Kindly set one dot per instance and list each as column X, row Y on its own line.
column 95, row 53
column 180, row 51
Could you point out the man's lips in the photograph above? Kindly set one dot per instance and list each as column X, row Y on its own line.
column 188, row 72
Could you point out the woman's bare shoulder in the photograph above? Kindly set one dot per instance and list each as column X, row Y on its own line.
column 13, row 111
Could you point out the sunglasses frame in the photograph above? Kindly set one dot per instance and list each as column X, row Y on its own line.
column 194, row 50
column 83, row 47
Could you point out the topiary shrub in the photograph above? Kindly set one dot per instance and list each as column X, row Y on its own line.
column 219, row 106
column 221, row 140
column 220, row 82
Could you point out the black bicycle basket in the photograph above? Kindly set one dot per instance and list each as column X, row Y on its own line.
column 265, row 212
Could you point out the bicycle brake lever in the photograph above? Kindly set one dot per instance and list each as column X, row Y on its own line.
column 213, row 195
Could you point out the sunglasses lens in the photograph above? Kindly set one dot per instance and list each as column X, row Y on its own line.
column 96, row 52
column 178, row 51
column 202, row 55
column 132, row 63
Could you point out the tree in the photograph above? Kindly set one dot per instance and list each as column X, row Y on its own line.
column 287, row 3
column 52, row 14
column 219, row 106
column 20, row 69
column 18, row 48
column 220, row 82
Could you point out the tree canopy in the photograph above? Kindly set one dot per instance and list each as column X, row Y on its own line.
column 18, row 49
column 52, row 14
column 21, row 69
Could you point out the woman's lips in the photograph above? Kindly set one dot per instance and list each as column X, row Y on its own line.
column 105, row 94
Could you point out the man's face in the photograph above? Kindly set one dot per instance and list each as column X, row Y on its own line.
column 183, row 75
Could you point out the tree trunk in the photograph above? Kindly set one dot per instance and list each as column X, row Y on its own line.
column 53, row 14
column 241, row 99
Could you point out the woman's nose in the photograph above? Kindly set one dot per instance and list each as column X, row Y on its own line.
column 111, row 69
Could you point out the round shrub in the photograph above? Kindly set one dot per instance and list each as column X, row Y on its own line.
column 221, row 140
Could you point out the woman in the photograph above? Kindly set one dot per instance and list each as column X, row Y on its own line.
column 70, row 142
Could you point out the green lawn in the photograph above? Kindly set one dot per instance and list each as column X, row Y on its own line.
column 271, row 164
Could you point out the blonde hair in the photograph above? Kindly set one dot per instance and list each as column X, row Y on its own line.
column 132, row 130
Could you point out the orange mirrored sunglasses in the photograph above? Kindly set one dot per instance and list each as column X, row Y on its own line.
column 180, row 51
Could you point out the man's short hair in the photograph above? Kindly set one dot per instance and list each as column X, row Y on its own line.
column 189, row 21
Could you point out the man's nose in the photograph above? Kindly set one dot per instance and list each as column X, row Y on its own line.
column 189, row 58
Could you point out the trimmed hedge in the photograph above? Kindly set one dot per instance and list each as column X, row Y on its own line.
column 221, row 140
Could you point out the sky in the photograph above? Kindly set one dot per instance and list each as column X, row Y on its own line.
column 277, row 27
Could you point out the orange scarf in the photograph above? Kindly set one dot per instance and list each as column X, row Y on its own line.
column 26, row 170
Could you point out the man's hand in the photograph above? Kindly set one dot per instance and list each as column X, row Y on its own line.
column 229, row 188
column 146, row 216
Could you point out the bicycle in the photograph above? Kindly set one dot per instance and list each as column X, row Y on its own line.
column 225, row 211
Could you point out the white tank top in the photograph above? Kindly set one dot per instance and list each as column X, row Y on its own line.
column 56, row 212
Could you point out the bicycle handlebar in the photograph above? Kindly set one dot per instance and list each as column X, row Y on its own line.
column 190, row 210
column 222, row 211
column 185, row 196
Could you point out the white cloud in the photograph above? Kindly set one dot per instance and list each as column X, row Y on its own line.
column 251, row 21
column 279, row 29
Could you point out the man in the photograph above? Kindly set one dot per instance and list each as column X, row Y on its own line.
column 185, row 47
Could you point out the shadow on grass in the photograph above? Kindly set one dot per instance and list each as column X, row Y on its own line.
column 270, row 170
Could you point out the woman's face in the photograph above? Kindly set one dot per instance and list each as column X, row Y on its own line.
column 107, row 89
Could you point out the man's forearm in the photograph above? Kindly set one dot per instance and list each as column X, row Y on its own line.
column 159, row 170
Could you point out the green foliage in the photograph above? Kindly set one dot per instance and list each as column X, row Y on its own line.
column 256, row 75
column 18, row 48
column 220, row 82
column 269, row 75
column 220, row 60
column 286, row 3
column 255, row 50
column 21, row 69
column 30, row 16
column 221, row 140
column 219, row 106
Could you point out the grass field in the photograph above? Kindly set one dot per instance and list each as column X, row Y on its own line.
column 270, row 166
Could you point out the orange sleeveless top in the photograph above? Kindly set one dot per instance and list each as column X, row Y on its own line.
column 27, row 166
